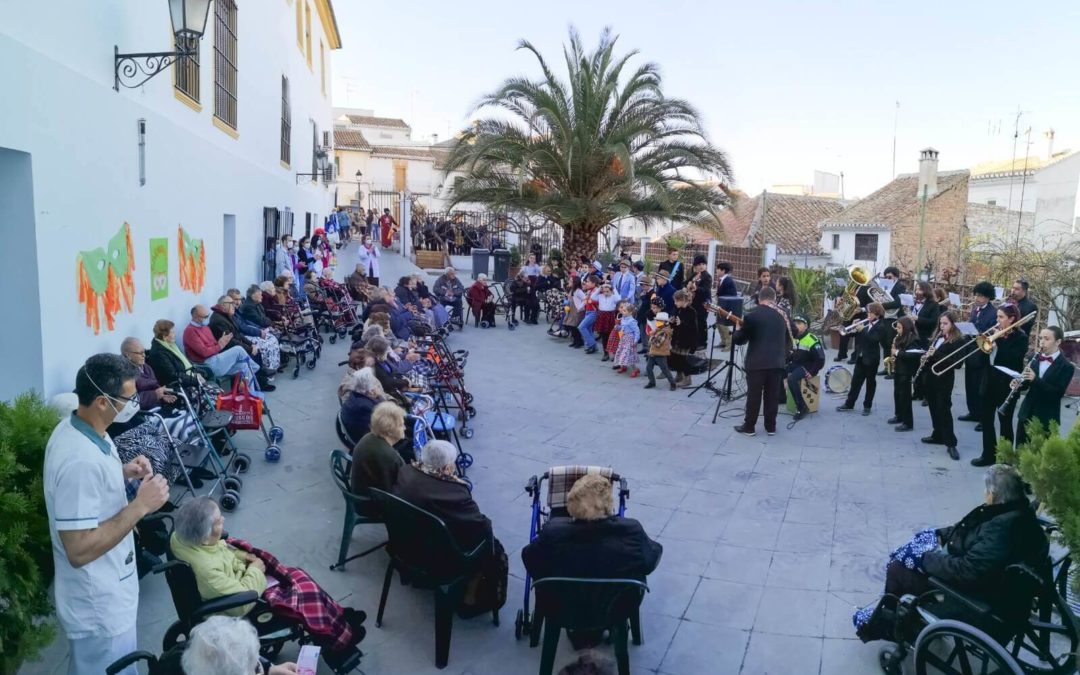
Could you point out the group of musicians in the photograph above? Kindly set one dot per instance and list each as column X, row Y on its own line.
column 922, row 346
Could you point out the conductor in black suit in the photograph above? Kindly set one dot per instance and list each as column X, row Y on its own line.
column 766, row 331
column 1045, row 382
column 868, row 342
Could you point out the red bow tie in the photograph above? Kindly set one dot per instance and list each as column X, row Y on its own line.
column 1048, row 359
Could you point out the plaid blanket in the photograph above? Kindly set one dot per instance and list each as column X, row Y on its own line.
column 562, row 478
column 298, row 597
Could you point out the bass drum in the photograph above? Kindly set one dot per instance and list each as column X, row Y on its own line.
column 837, row 380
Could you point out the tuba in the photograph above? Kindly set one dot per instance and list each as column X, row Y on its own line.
column 847, row 305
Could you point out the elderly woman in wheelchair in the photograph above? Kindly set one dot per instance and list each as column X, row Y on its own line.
column 975, row 597
column 226, row 566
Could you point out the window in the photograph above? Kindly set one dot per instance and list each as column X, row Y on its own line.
column 307, row 32
column 991, row 202
column 299, row 26
column 225, row 61
column 322, row 67
column 187, row 72
column 314, row 150
column 286, row 122
column 836, row 242
column 866, row 246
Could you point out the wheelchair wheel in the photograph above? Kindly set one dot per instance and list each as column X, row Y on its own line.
column 242, row 462
column 519, row 624
column 311, row 362
column 955, row 648
column 333, row 338
column 468, row 398
column 467, row 433
column 174, row 635
column 1048, row 644
column 512, row 326
column 233, row 483
column 273, row 453
column 277, row 434
column 470, row 411
column 465, row 460
column 230, row 500
column 485, row 324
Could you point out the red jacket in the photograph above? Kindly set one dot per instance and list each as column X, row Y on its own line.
column 199, row 343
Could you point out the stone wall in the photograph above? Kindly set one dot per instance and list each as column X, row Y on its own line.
column 943, row 235
column 993, row 222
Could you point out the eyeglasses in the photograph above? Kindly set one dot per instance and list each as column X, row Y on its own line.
column 141, row 353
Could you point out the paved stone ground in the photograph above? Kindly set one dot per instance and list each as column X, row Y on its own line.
column 769, row 542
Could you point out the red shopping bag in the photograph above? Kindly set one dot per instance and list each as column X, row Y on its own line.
column 245, row 408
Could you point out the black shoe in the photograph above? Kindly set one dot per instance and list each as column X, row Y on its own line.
column 968, row 418
column 770, row 433
column 643, row 350
column 982, row 461
column 852, row 361
column 893, row 420
column 901, row 427
column 883, row 372
column 865, row 412
column 607, row 357
column 930, row 440
column 745, row 431
column 978, row 427
column 888, row 377
column 800, row 414
column 355, row 618
column 673, row 386
column 844, row 408
column 841, row 357
column 577, row 346
column 268, row 387
column 925, row 403
column 590, row 350
column 650, row 385
column 953, row 453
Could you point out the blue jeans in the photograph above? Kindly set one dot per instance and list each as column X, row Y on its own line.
column 586, row 329
column 232, row 361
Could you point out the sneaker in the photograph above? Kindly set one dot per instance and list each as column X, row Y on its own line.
column 268, row 387
column 590, row 350
column 770, row 433
column 841, row 357
column 745, row 431
column 687, row 383
column 622, row 369
column 901, row 427
column 650, row 385
column 616, row 367
column 607, row 357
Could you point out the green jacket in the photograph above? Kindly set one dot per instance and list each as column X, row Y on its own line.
column 220, row 570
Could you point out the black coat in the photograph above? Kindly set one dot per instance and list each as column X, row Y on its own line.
column 221, row 323
column 945, row 381
column 356, row 414
column 927, row 318
column 612, row 548
column 985, row 320
column 1043, row 398
column 727, row 288
column 448, row 500
column 703, row 294
column 766, row 331
column 254, row 312
column 678, row 279
column 684, row 337
column 1010, row 353
column 898, row 289
column 869, row 341
column 167, row 367
column 979, row 548
column 907, row 364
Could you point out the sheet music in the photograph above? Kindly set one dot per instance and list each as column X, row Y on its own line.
column 1008, row 371
column 954, row 299
column 967, row 328
column 914, row 351
column 999, row 292
column 887, row 284
column 907, row 300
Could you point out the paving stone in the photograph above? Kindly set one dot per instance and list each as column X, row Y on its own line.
column 704, row 648
column 770, row 654
column 724, row 603
column 791, row 612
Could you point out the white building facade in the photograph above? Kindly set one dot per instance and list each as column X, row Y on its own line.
column 1049, row 193
column 865, row 245
column 92, row 178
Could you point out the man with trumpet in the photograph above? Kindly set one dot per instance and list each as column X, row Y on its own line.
column 869, row 336
column 1009, row 346
column 1045, row 379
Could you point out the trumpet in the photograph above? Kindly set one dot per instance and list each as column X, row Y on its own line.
column 855, row 327
column 983, row 342
column 1005, row 408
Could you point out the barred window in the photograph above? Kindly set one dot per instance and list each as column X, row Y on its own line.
column 866, row 246
column 186, row 71
column 286, row 122
column 225, row 61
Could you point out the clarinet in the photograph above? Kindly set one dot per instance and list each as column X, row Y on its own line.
column 1003, row 409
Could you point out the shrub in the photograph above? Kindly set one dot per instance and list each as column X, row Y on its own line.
column 25, row 547
column 515, row 256
column 809, row 291
column 675, row 241
column 555, row 254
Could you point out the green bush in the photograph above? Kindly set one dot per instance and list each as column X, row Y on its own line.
column 25, row 549
column 1051, row 465
column 555, row 254
column 676, row 241
column 515, row 256
column 809, row 291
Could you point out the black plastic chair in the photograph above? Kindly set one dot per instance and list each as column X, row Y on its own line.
column 423, row 551
column 360, row 509
column 588, row 605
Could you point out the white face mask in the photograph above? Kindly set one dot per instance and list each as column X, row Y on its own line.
column 125, row 413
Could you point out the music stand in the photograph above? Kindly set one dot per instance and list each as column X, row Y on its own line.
column 724, row 392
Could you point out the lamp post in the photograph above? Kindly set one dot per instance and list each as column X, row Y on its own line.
column 359, row 195
column 188, row 23
column 321, row 162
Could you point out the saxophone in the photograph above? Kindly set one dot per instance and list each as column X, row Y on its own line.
column 890, row 360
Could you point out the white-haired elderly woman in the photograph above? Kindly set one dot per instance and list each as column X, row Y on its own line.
column 225, row 645
column 365, row 392
column 223, row 567
column 432, row 484
column 375, row 461
column 970, row 556
column 480, row 298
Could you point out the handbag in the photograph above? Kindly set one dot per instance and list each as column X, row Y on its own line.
column 245, row 408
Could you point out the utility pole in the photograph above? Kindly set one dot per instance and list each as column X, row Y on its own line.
column 922, row 231
column 1023, row 187
column 895, row 123
column 1012, row 167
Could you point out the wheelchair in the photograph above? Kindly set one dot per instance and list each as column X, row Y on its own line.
column 191, row 609
column 1036, row 634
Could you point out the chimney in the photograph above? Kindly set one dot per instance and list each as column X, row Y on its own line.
column 434, row 139
column 927, row 173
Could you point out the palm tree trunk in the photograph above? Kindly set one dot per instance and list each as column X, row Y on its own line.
column 578, row 240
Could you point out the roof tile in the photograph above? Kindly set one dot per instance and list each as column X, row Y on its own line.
column 371, row 121
column 348, row 139
column 893, row 202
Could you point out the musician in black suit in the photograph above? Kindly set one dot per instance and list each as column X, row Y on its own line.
column 1009, row 352
column 938, row 388
column 863, row 296
column 727, row 297
column 984, row 316
column 868, row 341
column 926, row 310
column 766, row 331
column 1019, row 296
column 1045, row 382
column 702, row 296
column 898, row 288
column 675, row 269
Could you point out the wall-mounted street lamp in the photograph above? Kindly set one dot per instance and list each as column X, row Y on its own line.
column 321, row 163
column 189, row 24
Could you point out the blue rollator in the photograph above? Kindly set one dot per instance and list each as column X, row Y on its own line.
column 560, row 479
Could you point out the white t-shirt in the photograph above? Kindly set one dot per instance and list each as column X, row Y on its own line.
column 84, row 487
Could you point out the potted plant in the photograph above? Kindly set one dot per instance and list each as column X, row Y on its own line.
column 515, row 261
column 836, row 281
column 25, row 548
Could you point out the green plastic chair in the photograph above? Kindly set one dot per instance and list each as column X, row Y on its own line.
column 360, row 509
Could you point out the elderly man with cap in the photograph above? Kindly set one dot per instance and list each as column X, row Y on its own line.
column 702, row 282
column 805, row 362
column 449, row 291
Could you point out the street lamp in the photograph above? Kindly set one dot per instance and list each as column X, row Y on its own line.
column 359, row 195
column 188, row 22
column 321, row 162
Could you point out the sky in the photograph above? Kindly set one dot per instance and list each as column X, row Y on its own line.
column 784, row 87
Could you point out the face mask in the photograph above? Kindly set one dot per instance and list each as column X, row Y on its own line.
column 124, row 414
column 289, row 246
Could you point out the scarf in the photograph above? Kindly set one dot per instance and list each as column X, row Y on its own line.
column 176, row 352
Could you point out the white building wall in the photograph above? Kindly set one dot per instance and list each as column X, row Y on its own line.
column 1058, row 209
column 844, row 254
column 60, row 108
column 996, row 192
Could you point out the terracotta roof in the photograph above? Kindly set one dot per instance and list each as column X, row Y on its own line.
column 408, row 153
column 440, row 155
column 370, row 121
column 347, row 139
column 893, row 202
column 791, row 222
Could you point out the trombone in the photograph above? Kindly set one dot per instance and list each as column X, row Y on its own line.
column 854, row 327
column 983, row 342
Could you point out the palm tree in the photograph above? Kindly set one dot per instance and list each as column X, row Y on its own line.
column 591, row 150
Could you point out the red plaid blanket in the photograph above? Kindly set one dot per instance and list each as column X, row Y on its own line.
column 298, row 597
